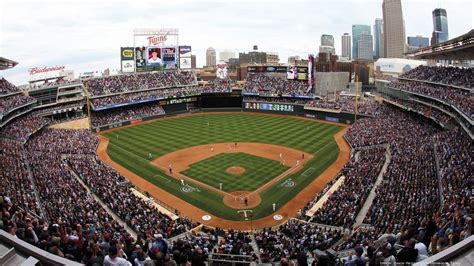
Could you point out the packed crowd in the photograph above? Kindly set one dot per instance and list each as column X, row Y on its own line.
column 346, row 104
column 127, row 113
column 447, row 75
column 293, row 238
column 360, row 174
column 145, row 96
column 460, row 98
column 139, row 81
column 14, row 177
column 11, row 102
column 23, row 127
column 6, row 87
column 276, row 100
column 454, row 153
column 276, row 85
column 421, row 108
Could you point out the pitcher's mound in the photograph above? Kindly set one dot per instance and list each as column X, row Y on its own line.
column 235, row 170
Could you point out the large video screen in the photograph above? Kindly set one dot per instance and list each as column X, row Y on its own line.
column 155, row 58
column 297, row 73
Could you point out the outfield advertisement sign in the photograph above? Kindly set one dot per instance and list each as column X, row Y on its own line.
column 269, row 106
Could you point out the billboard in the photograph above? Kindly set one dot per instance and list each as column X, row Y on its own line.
column 266, row 69
column 297, row 72
column 128, row 66
column 155, row 58
column 185, row 57
column 126, row 59
column 221, row 71
column 269, row 106
column 185, row 51
column 185, row 63
column 291, row 72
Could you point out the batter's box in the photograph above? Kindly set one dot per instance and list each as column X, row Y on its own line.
column 308, row 171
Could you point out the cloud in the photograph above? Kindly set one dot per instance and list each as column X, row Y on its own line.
column 87, row 35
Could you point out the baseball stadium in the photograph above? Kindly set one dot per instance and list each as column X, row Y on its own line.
column 318, row 161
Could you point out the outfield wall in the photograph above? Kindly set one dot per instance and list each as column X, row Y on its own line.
column 246, row 106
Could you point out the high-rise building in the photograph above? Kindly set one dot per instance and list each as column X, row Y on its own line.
column 327, row 40
column 253, row 58
column 327, row 45
column 193, row 61
column 378, row 44
column 417, row 42
column 393, row 29
column 211, row 57
column 365, row 47
column 346, row 46
column 440, row 26
column 357, row 30
column 226, row 55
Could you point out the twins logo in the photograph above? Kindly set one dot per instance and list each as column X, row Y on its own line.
column 188, row 189
column 288, row 183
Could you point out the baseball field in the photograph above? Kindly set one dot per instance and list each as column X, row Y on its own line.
column 229, row 166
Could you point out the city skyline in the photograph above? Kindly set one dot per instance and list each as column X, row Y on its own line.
column 93, row 42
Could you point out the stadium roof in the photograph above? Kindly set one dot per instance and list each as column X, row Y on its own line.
column 7, row 63
column 459, row 48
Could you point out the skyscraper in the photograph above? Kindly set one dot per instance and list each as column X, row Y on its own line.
column 211, row 57
column 327, row 45
column 327, row 40
column 346, row 46
column 357, row 30
column 393, row 29
column 226, row 55
column 440, row 26
column 378, row 46
column 365, row 47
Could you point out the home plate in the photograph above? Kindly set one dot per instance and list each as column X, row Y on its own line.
column 206, row 217
column 277, row 217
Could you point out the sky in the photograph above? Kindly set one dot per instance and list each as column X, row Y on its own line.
column 86, row 35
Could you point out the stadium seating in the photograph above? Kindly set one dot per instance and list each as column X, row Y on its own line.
column 345, row 104
column 139, row 81
column 463, row 77
column 266, row 85
column 60, row 194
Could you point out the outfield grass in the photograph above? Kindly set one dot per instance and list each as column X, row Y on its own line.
column 258, row 171
column 130, row 147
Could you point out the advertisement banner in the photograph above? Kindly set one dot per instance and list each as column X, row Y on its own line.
column 310, row 71
column 185, row 51
column 291, row 72
column 126, row 53
column 128, row 66
column 185, row 63
column 169, row 58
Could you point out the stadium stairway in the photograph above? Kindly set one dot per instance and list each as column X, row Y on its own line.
column 368, row 202
column 255, row 247
column 106, row 208
column 30, row 176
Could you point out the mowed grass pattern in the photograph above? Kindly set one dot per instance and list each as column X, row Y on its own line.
column 258, row 171
column 131, row 146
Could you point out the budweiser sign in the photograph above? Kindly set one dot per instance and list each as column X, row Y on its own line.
column 36, row 70
column 154, row 40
